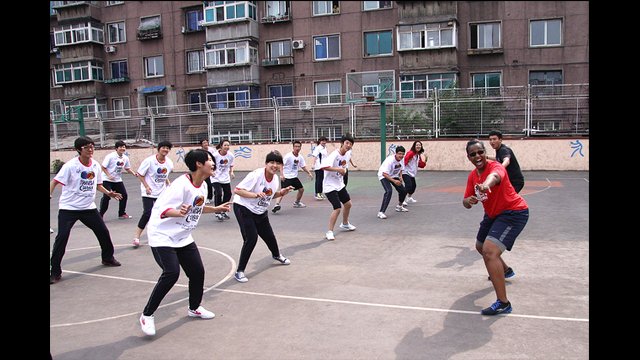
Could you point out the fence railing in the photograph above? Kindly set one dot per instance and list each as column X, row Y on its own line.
column 558, row 110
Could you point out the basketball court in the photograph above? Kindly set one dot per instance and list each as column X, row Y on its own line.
column 407, row 287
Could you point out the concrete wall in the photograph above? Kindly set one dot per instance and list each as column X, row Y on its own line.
column 532, row 154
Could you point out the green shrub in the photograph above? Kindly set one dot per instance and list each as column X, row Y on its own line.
column 56, row 165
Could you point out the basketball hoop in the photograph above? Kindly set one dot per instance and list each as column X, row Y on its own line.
column 369, row 98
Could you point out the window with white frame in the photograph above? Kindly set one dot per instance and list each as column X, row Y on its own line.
column 326, row 7
column 326, row 47
column 229, row 54
column 229, row 99
column 121, row 107
column 283, row 94
column 119, row 69
column 156, row 103
column 276, row 9
column 427, row 36
column 545, row 32
column 276, row 49
column 117, row 32
column 78, row 33
column 378, row 43
column 418, row 86
column 153, row 66
column 192, row 19
column 195, row 61
column 373, row 5
column 485, row 35
column 330, row 132
column 328, row 92
column 79, row 71
column 221, row 11
column 487, row 84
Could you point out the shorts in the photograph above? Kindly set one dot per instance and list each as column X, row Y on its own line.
column 295, row 182
column 503, row 229
column 337, row 197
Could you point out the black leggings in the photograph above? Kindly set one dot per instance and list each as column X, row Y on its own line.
column 147, row 205
column 209, row 188
column 386, row 184
column 319, row 179
column 170, row 260
column 409, row 183
column 252, row 226
column 218, row 190
column 92, row 220
column 119, row 188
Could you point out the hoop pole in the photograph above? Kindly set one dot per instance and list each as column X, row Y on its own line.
column 383, row 131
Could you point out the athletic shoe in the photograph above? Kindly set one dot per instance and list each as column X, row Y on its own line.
column 400, row 208
column 148, row 325
column 497, row 307
column 347, row 226
column 136, row 242
column 509, row 273
column 283, row 260
column 381, row 215
column 201, row 312
column 411, row 200
column 404, row 203
column 54, row 279
column 225, row 216
column 239, row 275
column 112, row 262
column 276, row 208
column 329, row 235
column 50, row 230
column 208, row 201
column 318, row 197
column 299, row 205
column 219, row 217
column 125, row 216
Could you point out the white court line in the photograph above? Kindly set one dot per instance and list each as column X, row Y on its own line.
column 214, row 287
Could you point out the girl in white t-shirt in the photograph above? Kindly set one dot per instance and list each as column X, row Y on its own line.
column 221, row 179
column 320, row 153
column 250, row 204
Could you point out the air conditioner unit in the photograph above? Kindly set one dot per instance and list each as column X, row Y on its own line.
column 110, row 49
column 297, row 44
column 304, row 105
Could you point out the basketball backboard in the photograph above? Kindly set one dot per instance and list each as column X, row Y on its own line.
column 371, row 86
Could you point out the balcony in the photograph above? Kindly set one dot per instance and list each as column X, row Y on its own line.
column 153, row 33
column 123, row 79
column 275, row 18
column 283, row 60
column 489, row 51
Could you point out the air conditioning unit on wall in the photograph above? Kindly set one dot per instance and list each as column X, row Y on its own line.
column 304, row 105
column 110, row 49
column 297, row 44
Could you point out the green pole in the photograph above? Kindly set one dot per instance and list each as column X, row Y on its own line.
column 383, row 131
column 81, row 120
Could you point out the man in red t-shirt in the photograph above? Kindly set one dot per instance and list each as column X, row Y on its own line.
column 505, row 215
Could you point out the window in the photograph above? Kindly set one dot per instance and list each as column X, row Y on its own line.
column 195, row 61
column 373, row 5
column 417, row 86
column 427, row 36
column 378, row 43
column 117, row 33
column 545, row 32
column 326, row 7
column 156, row 103
column 487, row 84
column 119, row 69
column 485, row 36
column 286, row 134
column 192, row 17
column 326, row 47
column 229, row 99
column 330, row 132
column 229, row 54
column 121, row 107
column 221, row 11
column 79, row 71
column 196, row 102
column 90, row 107
column 79, row 33
column 276, row 49
column 276, row 9
column 282, row 93
column 149, row 28
column 328, row 92
column 543, row 82
column 153, row 66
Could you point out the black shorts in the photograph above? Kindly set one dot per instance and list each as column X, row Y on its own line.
column 295, row 182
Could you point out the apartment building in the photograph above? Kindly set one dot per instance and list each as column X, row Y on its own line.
column 110, row 56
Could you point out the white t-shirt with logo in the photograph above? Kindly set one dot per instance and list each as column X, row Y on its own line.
column 391, row 166
column 292, row 164
column 320, row 153
column 155, row 174
column 256, row 182
column 333, row 180
column 223, row 167
column 80, row 184
column 115, row 165
column 176, row 231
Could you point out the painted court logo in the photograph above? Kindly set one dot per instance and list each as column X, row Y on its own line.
column 243, row 152
column 87, row 175
column 198, row 201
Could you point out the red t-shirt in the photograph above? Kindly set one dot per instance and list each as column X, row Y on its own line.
column 502, row 196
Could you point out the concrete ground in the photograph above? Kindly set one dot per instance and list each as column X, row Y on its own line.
column 407, row 287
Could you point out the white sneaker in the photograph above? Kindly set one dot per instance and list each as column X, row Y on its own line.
column 381, row 215
column 136, row 242
column 201, row 313
column 400, row 208
column 411, row 200
column 50, row 230
column 283, row 260
column 347, row 226
column 239, row 276
column 329, row 235
column 318, row 197
column 299, row 205
column 404, row 203
column 148, row 325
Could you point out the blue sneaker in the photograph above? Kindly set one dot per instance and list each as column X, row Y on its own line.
column 496, row 308
column 507, row 274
